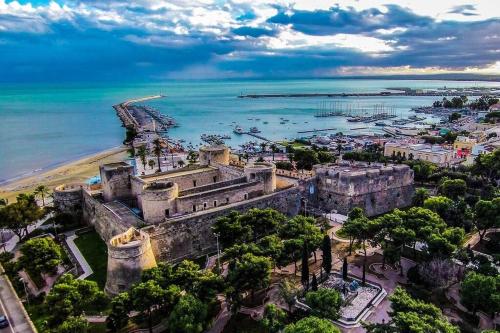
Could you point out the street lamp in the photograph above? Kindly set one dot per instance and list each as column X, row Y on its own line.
column 25, row 290
column 218, row 251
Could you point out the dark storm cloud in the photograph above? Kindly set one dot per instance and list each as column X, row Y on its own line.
column 124, row 40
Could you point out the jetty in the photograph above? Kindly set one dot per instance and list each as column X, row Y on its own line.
column 127, row 116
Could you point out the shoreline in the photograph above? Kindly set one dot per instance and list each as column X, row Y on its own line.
column 76, row 170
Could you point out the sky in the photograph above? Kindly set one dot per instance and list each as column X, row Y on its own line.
column 212, row 39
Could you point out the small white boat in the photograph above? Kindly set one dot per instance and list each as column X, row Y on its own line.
column 238, row 130
column 254, row 130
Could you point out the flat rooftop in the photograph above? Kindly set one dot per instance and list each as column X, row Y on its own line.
column 174, row 173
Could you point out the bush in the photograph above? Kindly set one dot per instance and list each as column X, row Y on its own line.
column 284, row 165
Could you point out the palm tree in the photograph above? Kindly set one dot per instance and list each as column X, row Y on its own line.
column 42, row 191
column 263, row 146
column 274, row 149
column 180, row 163
column 157, row 151
column 151, row 164
column 339, row 148
column 142, row 153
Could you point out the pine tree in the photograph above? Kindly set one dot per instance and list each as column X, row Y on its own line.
column 344, row 269
column 305, row 266
column 326, row 248
column 314, row 283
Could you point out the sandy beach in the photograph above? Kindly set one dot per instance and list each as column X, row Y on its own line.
column 75, row 171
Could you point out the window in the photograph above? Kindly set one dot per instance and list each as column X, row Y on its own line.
column 167, row 212
column 215, row 203
column 194, row 183
column 252, row 176
column 194, row 208
column 227, row 200
column 215, row 179
column 204, row 205
column 245, row 196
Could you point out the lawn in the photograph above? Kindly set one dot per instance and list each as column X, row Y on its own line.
column 95, row 252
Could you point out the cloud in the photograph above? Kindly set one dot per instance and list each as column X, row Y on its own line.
column 91, row 39
column 466, row 10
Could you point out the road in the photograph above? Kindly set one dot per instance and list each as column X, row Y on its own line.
column 11, row 306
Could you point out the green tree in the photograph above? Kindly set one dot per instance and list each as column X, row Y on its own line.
column 421, row 194
column 70, row 297
column 314, row 283
column 487, row 215
column 326, row 249
column 142, row 153
column 73, row 325
column 305, row 266
column 324, row 303
column 305, row 158
column 146, row 297
column 262, row 221
column 272, row 246
column 250, row 273
column 188, row 316
column 453, row 188
column 288, row 292
column 480, row 292
column 120, row 308
column 325, row 157
column 302, row 228
column 273, row 319
column 311, row 325
column 415, row 316
column 230, row 230
column 42, row 191
column 157, row 150
column 41, row 255
column 18, row 216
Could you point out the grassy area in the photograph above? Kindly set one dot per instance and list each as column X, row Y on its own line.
column 97, row 328
column 95, row 252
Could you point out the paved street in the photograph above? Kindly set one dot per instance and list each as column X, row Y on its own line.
column 11, row 306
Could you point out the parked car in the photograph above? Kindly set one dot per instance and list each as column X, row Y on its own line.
column 4, row 322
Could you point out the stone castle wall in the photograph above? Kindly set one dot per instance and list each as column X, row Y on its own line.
column 225, row 195
column 105, row 222
column 191, row 236
column 376, row 189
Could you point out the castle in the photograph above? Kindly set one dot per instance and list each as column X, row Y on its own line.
column 168, row 216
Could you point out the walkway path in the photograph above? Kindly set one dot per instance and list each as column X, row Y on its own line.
column 11, row 306
column 10, row 245
column 87, row 270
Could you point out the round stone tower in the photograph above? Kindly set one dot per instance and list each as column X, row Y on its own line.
column 264, row 172
column 68, row 198
column 129, row 254
column 210, row 155
column 158, row 201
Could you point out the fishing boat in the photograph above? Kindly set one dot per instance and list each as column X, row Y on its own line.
column 380, row 123
column 238, row 130
column 254, row 130
column 354, row 119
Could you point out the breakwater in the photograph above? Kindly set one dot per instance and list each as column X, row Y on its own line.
column 379, row 94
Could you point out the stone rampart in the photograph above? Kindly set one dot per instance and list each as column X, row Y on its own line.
column 191, row 235
column 102, row 219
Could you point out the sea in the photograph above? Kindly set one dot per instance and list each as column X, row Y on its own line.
column 45, row 125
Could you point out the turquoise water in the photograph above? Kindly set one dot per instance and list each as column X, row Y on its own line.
column 45, row 125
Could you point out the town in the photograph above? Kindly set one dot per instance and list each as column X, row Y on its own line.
column 327, row 233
